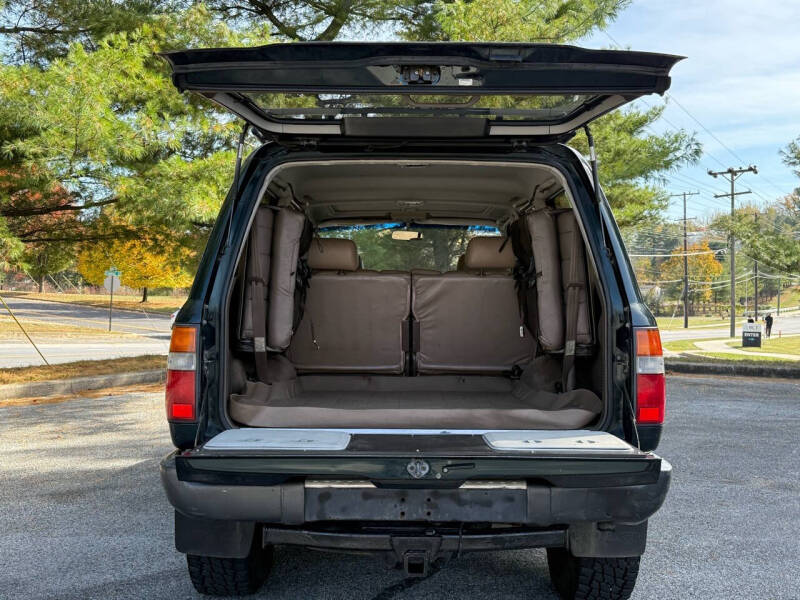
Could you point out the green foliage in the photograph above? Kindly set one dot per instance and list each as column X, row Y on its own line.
column 436, row 248
column 41, row 260
column 42, row 30
column 771, row 238
column 89, row 111
column 10, row 246
column 522, row 20
column 633, row 161
column 107, row 129
column 791, row 156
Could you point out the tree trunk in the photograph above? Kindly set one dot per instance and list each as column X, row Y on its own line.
column 41, row 283
column 144, row 294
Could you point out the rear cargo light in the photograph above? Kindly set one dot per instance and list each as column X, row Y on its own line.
column 651, row 390
column 181, row 395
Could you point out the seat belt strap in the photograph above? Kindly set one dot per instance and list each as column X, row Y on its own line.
column 258, row 294
column 573, row 290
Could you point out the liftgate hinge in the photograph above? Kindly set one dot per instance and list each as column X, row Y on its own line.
column 208, row 316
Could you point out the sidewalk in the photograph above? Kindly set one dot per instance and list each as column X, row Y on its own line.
column 722, row 346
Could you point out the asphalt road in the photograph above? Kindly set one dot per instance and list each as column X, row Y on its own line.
column 786, row 324
column 152, row 333
column 126, row 321
column 22, row 354
column 82, row 513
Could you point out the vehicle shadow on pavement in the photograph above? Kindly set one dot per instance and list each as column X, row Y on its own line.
column 509, row 574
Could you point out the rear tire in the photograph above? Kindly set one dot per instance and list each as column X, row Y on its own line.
column 582, row 578
column 215, row 576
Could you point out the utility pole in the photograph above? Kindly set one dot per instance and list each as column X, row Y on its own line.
column 779, row 296
column 685, row 259
column 755, row 273
column 731, row 174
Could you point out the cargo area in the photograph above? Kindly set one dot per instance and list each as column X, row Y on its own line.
column 415, row 295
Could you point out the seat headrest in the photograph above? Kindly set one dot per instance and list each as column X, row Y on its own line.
column 333, row 254
column 483, row 253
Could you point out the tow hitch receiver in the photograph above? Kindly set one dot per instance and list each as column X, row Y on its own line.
column 417, row 553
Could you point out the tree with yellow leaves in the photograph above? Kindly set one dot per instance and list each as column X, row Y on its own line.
column 143, row 264
column 704, row 268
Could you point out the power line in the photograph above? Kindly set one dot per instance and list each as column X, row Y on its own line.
column 706, row 129
column 773, row 267
column 720, row 251
column 671, row 96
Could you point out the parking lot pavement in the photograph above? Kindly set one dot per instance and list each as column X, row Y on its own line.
column 82, row 513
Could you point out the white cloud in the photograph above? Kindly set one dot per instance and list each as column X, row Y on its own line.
column 741, row 78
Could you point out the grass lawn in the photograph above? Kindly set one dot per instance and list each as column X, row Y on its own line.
column 683, row 345
column 790, row 298
column 784, row 345
column 677, row 322
column 41, row 331
column 157, row 304
column 82, row 368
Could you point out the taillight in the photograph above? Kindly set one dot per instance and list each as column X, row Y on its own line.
column 181, row 396
column 651, row 390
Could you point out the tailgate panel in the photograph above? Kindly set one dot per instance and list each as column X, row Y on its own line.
column 418, row 458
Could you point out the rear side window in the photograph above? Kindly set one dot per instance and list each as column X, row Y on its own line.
column 396, row 246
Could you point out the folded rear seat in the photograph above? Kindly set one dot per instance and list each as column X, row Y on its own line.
column 469, row 321
column 354, row 320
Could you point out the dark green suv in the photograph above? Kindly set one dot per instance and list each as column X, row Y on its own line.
column 415, row 330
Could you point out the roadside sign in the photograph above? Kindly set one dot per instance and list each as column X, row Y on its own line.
column 111, row 283
column 751, row 335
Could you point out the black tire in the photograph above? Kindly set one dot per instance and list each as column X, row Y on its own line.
column 578, row 578
column 230, row 576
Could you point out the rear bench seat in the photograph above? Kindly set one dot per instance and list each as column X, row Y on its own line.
column 469, row 320
column 354, row 320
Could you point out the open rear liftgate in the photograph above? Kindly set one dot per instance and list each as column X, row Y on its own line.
column 435, row 494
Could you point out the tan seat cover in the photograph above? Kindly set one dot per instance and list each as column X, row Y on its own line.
column 332, row 254
column 353, row 320
column 470, row 321
column 544, row 239
column 262, row 227
column 566, row 224
column 285, row 252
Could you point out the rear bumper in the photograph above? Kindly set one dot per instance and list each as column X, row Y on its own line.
column 298, row 502
column 297, row 512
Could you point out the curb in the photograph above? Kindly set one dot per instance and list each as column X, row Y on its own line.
column 732, row 369
column 64, row 387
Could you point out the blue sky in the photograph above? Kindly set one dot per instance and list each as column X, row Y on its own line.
column 740, row 80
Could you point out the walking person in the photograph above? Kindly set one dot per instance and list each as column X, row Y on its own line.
column 768, row 320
